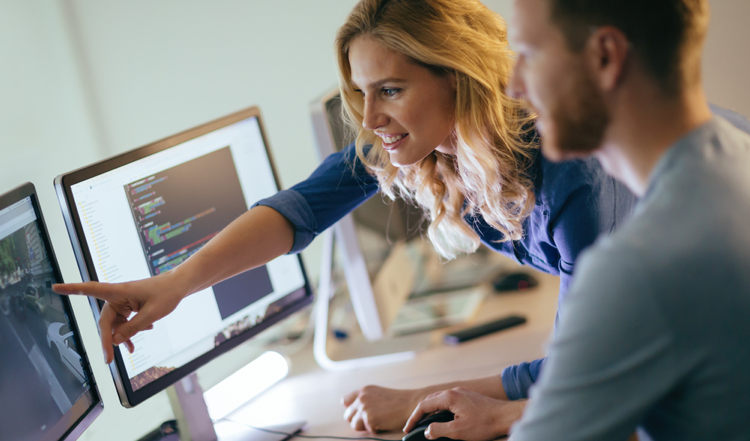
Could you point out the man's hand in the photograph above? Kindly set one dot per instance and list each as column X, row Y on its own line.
column 476, row 416
column 151, row 299
column 377, row 409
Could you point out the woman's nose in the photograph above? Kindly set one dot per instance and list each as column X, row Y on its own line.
column 374, row 116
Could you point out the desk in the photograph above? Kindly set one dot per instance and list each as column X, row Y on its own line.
column 313, row 395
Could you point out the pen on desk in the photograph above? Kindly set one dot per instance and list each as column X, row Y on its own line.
column 463, row 335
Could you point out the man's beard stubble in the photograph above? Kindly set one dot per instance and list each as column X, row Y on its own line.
column 581, row 121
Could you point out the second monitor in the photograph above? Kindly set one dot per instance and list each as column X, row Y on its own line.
column 47, row 392
column 143, row 213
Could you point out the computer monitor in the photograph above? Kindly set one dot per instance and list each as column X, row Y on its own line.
column 144, row 212
column 47, row 390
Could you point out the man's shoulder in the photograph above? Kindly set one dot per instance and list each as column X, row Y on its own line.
column 733, row 117
column 687, row 237
column 628, row 262
column 614, row 260
column 702, row 175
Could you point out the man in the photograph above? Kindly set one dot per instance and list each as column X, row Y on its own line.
column 655, row 332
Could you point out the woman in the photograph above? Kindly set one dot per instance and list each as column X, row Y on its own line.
column 423, row 83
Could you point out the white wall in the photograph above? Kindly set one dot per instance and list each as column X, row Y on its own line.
column 45, row 123
column 85, row 79
column 726, row 63
column 45, row 127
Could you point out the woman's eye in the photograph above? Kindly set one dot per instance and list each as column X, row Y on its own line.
column 390, row 92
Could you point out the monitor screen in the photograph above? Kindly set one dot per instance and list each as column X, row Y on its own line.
column 144, row 213
column 45, row 379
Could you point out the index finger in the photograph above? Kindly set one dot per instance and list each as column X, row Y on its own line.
column 93, row 289
column 106, row 320
column 426, row 407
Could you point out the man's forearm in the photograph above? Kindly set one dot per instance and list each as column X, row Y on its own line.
column 488, row 386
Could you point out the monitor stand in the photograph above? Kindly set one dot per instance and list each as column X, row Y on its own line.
column 356, row 352
column 194, row 423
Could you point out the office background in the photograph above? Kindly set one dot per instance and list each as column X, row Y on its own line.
column 82, row 80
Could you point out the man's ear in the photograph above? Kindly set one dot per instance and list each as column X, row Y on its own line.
column 608, row 50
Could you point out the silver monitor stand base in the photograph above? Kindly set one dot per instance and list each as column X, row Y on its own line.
column 194, row 423
column 233, row 431
column 357, row 352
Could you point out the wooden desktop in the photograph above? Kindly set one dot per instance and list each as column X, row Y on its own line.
column 311, row 394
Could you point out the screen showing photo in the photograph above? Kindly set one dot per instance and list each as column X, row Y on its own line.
column 41, row 370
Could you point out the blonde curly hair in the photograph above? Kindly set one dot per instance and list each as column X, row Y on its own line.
column 488, row 174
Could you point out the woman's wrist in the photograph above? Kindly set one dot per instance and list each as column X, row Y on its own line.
column 181, row 281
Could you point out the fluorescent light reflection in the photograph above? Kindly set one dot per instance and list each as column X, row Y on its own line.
column 248, row 382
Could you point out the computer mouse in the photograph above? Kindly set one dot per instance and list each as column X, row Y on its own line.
column 515, row 281
column 417, row 434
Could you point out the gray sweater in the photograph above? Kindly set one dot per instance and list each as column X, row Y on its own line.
column 655, row 331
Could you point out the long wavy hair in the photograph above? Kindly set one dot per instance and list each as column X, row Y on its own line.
column 487, row 176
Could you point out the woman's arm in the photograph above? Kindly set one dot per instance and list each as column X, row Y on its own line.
column 286, row 222
column 253, row 239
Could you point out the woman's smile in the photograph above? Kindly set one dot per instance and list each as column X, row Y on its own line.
column 391, row 141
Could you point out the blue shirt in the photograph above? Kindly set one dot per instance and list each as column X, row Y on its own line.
column 655, row 331
column 576, row 201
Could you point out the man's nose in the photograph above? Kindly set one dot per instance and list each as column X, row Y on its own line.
column 516, row 87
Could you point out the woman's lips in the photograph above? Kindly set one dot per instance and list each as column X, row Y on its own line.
column 395, row 145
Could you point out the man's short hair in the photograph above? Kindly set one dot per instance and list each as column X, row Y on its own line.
column 667, row 35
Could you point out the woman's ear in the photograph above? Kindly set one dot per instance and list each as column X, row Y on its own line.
column 453, row 81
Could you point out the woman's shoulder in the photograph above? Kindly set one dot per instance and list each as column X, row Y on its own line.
column 553, row 181
column 557, row 182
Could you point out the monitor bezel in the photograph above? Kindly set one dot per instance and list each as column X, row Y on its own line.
column 64, row 184
column 78, row 420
